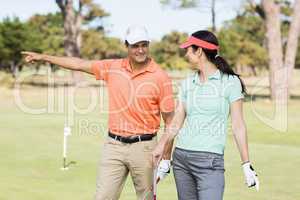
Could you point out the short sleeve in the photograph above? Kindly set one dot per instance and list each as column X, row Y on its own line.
column 182, row 92
column 235, row 89
column 166, row 100
column 101, row 68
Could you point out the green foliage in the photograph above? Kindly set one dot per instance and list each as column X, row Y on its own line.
column 242, row 42
column 180, row 3
column 93, row 11
column 1, row 41
column 86, row 10
column 15, row 36
column 96, row 46
column 241, row 39
column 167, row 52
column 50, row 33
column 286, row 7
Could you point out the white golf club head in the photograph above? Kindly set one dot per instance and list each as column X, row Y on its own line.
column 67, row 130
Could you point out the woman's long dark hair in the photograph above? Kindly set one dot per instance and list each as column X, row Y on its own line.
column 212, row 55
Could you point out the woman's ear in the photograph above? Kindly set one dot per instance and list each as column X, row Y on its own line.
column 199, row 52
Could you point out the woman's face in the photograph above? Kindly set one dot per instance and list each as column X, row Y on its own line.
column 193, row 57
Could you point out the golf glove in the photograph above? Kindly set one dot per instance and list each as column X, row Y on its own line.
column 163, row 169
column 250, row 175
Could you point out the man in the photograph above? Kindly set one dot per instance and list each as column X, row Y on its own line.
column 139, row 93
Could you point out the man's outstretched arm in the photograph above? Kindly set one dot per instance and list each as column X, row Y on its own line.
column 71, row 63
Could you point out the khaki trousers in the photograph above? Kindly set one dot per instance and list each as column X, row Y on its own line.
column 120, row 159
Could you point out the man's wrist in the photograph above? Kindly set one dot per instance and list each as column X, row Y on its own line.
column 45, row 57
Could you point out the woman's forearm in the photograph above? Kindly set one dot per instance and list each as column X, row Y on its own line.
column 239, row 129
column 240, row 136
column 168, row 143
column 172, row 130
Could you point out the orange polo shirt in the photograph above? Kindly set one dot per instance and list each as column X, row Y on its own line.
column 136, row 99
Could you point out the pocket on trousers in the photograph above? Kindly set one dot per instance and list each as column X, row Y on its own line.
column 149, row 146
column 200, row 163
column 111, row 141
column 218, row 164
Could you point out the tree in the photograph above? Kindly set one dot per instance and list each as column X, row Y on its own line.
column 297, row 64
column 49, row 30
column 281, row 62
column 73, row 18
column 293, row 38
column 15, row 36
column 51, row 33
column 210, row 4
column 242, row 43
column 96, row 46
column 273, row 35
column 167, row 53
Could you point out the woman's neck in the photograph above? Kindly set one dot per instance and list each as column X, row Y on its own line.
column 206, row 69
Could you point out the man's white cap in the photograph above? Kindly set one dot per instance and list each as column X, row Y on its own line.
column 136, row 34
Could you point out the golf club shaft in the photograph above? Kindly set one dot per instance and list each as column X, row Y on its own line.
column 64, row 162
column 154, row 184
column 65, row 147
column 64, row 151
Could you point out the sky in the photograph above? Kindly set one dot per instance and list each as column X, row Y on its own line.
column 158, row 19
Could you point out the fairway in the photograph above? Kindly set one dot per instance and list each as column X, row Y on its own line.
column 78, row 75
column 31, row 152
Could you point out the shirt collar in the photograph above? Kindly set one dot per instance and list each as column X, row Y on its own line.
column 216, row 76
column 151, row 67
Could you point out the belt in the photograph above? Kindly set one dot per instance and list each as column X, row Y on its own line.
column 132, row 139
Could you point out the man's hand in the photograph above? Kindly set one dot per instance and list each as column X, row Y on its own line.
column 163, row 170
column 157, row 154
column 32, row 56
column 250, row 175
column 70, row 63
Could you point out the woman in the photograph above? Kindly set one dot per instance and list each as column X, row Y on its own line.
column 205, row 100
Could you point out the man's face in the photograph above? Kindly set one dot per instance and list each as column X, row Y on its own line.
column 139, row 51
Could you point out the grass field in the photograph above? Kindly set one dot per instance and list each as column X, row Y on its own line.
column 31, row 148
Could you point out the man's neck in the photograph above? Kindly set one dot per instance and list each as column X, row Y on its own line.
column 138, row 66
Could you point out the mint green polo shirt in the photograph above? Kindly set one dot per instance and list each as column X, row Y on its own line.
column 207, row 108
